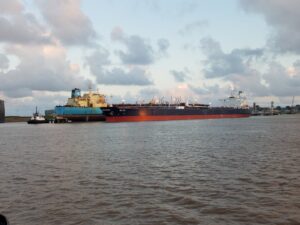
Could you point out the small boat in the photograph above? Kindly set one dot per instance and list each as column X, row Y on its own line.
column 37, row 118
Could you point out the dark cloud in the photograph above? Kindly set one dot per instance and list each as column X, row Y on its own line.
column 283, row 17
column 4, row 62
column 19, row 92
column 220, row 64
column 191, row 27
column 180, row 76
column 138, row 51
column 163, row 45
column 210, row 47
column 237, row 67
column 68, row 23
column 247, row 52
column 100, row 66
column 97, row 60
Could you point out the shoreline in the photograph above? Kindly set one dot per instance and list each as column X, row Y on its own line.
column 11, row 119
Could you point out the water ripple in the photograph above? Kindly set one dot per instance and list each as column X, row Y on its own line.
column 242, row 171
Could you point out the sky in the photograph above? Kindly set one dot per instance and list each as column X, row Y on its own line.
column 136, row 50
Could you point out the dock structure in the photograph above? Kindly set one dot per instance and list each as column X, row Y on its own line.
column 2, row 111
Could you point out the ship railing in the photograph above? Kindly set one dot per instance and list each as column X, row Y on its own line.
column 159, row 105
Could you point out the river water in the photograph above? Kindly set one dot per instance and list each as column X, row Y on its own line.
column 227, row 171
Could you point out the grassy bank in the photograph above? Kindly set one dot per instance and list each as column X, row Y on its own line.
column 9, row 119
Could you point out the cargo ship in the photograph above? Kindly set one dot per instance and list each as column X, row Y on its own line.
column 233, row 107
column 81, row 108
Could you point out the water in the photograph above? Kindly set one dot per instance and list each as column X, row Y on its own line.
column 231, row 171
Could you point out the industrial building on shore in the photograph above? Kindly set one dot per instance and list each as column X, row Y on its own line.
column 2, row 111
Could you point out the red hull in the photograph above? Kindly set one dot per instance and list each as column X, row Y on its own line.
column 112, row 119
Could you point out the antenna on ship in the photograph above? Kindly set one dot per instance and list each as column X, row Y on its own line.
column 161, row 100
column 90, row 87
column 292, row 106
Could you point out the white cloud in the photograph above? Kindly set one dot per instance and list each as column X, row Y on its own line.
column 68, row 23
column 41, row 68
column 10, row 7
column 17, row 26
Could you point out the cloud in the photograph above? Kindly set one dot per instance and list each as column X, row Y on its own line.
column 4, row 62
column 10, row 7
column 43, row 100
column 17, row 26
column 23, row 29
column 118, row 76
column 177, row 9
column 281, row 82
column 138, row 51
column 180, row 76
column 193, row 26
column 98, row 59
column 276, row 81
column 187, row 7
column 283, row 17
column 41, row 68
column 220, row 64
column 205, row 89
column 68, row 23
column 101, row 67
column 252, row 83
column 117, row 34
column 239, row 67
column 163, row 45
column 147, row 94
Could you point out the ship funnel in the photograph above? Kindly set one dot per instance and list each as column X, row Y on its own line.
column 76, row 92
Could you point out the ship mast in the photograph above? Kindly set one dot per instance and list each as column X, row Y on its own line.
column 90, row 87
column 292, row 106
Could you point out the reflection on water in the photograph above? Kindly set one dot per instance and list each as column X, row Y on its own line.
column 231, row 171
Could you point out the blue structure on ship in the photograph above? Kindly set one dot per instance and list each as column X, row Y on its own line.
column 78, row 114
column 65, row 110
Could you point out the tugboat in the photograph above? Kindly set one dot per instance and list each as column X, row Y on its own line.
column 37, row 118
